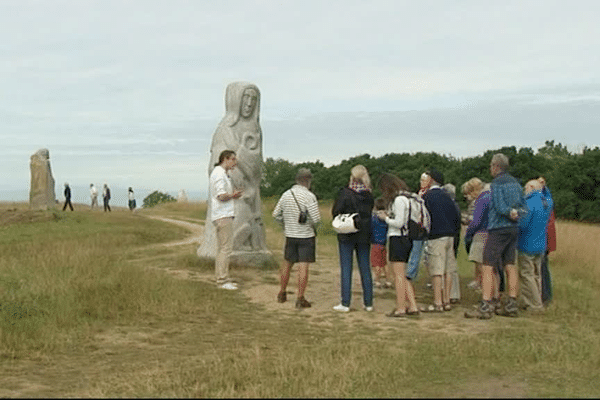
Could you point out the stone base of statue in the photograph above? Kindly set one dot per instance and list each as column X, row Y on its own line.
column 261, row 259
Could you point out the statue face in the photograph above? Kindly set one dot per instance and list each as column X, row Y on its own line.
column 249, row 100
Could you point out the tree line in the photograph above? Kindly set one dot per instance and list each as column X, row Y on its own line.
column 573, row 178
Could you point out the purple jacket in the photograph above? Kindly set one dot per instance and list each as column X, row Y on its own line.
column 480, row 215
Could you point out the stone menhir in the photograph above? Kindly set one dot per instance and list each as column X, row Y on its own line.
column 239, row 130
column 41, row 191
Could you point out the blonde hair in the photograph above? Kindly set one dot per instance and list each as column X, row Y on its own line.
column 472, row 186
column 359, row 173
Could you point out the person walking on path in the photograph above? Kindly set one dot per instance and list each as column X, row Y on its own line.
column 131, row 202
column 67, row 197
column 298, row 211
column 506, row 203
column 106, row 197
column 355, row 198
column 93, row 196
column 221, row 197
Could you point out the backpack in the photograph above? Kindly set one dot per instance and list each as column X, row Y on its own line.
column 419, row 221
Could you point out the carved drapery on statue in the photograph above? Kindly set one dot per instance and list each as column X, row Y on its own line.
column 41, row 190
column 239, row 130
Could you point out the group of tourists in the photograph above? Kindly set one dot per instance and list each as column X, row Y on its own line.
column 505, row 224
column 94, row 197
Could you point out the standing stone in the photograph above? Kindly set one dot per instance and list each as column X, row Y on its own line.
column 41, row 191
column 182, row 196
column 239, row 130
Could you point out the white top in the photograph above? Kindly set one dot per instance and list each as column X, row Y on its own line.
column 399, row 211
column 93, row 191
column 131, row 196
column 220, row 183
column 287, row 211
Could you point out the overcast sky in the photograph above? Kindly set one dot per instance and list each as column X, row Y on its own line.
column 130, row 92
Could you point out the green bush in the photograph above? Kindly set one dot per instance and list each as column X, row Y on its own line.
column 156, row 198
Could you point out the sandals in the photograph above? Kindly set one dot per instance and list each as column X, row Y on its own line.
column 396, row 314
column 413, row 313
column 432, row 308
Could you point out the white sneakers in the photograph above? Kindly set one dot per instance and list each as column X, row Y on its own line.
column 369, row 309
column 341, row 308
column 229, row 286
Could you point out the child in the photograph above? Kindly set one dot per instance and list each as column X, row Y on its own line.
column 378, row 250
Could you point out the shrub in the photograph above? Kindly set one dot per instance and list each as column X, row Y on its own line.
column 156, row 198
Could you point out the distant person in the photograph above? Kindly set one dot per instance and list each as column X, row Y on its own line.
column 355, row 198
column 131, row 197
column 298, row 211
column 506, row 203
column 439, row 251
column 395, row 191
column 222, row 211
column 67, row 197
column 379, row 230
column 532, row 245
column 93, row 196
column 550, row 247
column 106, row 197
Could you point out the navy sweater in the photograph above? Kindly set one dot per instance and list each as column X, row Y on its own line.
column 444, row 215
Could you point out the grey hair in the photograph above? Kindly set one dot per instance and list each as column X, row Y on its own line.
column 303, row 175
column 450, row 189
column 501, row 161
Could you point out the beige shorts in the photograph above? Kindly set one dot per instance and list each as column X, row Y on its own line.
column 439, row 256
column 476, row 252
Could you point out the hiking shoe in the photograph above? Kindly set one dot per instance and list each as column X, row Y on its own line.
column 281, row 297
column 484, row 311
column 341, row 308
column 510, row 309
column 228, row 286
column 302, row 303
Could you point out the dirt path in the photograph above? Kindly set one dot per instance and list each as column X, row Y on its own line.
column 324, row 292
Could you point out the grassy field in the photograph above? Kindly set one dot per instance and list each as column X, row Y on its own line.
column 93, row 305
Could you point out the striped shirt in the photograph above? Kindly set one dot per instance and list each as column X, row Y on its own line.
column 287, row 212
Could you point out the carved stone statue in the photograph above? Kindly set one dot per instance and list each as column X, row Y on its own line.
column 239, row 130
column 41, row 191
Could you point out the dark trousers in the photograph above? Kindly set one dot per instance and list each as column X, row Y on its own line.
column 68, row 203
column 347, row 248
column 106, row 206
column 546, row 281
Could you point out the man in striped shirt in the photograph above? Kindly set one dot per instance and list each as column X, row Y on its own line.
column 300, row 241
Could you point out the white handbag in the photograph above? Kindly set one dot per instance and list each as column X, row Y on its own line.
column 344, row 223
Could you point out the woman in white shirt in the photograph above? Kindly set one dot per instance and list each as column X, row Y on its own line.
column 396, row 216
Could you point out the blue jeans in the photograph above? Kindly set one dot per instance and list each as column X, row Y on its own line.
column 412, row 267
column 363, row 250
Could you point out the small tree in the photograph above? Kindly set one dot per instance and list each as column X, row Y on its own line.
column 157, row 197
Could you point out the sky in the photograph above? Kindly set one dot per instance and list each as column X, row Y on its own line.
column 129, row 93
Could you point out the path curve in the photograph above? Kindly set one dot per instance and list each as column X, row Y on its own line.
column 195, row 228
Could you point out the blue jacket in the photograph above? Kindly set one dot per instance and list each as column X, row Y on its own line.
column 532, row 225
column 507, row 194
column 378, row 230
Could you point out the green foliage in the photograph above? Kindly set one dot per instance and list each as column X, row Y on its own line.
column 156, row 198
column 574, row 179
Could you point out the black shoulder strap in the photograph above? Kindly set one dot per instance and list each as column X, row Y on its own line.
column 298, row 204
